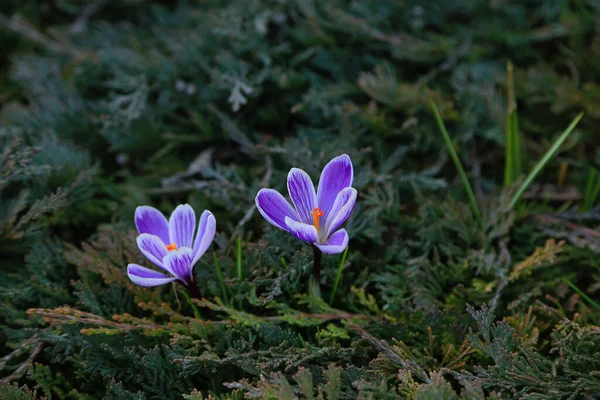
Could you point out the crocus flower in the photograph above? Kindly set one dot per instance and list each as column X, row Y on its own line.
column 317, row 214
column 171, row 244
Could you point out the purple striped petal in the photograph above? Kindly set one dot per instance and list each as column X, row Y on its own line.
column 337, row 175
column 341, row 209
column 182, row 226
column 179, row 263
column 302, row 231
column 205, row 235
column 147, row 277
column 152, row 247
column 302, row 193
column 274, row 208
column 150, row 220
column 335, row 244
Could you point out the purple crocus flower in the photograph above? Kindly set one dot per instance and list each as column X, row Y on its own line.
column 171, row 244
column 317, row 214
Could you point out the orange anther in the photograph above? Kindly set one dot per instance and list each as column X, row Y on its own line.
column 171, row 246
column 317, row 214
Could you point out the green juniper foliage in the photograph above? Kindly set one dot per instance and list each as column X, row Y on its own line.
column 110, row 104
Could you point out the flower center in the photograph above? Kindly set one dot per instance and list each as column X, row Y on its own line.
column 317, row 214
column 171, row 246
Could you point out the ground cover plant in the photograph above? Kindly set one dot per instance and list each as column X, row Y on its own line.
column 472, row 268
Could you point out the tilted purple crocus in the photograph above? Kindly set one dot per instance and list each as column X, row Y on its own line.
column 317, row 214
column 171, row 244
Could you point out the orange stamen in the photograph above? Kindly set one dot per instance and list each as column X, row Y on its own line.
column 317, row 214
column 171, row 246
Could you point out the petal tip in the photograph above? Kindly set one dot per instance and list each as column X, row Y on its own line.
column 274, row 207
column 146, row 277
column 150, row 220
column 295, row 170
column 262, row 192
column 182, row 225
column 185, row 207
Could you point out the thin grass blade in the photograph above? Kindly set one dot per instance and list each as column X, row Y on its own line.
column 338, row 276
column 509, row 164
column 542, row 163
column 591, row 190
column 220, row 279
column 583, row 295
column 516, row 145
column 457, row 163
column 192, row 304
column 238, row 259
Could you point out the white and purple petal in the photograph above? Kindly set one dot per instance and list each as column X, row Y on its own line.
column 146, row 277
column 205, row 235
column 150, row 220
column 274, row 208
column 337, row 175
column 341, row 209
column 182, row 226
column 302, row 193
column 179, row 263
column 336, row 243
column 302, row 231
column 152, row 247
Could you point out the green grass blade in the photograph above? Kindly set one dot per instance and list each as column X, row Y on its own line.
column 591, row 190
column 192, row 304
column 583, row 295
column 512, row 167
column 595, row 192
column 301, row 339
column 238, row 259
column 338, row 276
column 509, row 156
column 516, row 145
column 588, row 191
column 457, row 163
column 508, row 163
column 220, row 279
column 542, row 163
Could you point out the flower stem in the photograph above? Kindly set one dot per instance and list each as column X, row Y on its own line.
column 195, row 292
column 316, row 264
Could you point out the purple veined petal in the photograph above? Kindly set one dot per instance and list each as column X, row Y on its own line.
column 341, row 209
column 150, row 220
column 153, row 248
column 337, row 175
column 336, row 243
column 302, row 231
column 179, row 263
column 302, row 193
column 274, row 208
column 182, row 226
column 146, row 277
column 205, row 235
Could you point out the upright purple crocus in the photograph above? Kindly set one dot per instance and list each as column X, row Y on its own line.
column 317, row 214
column 171, row 244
